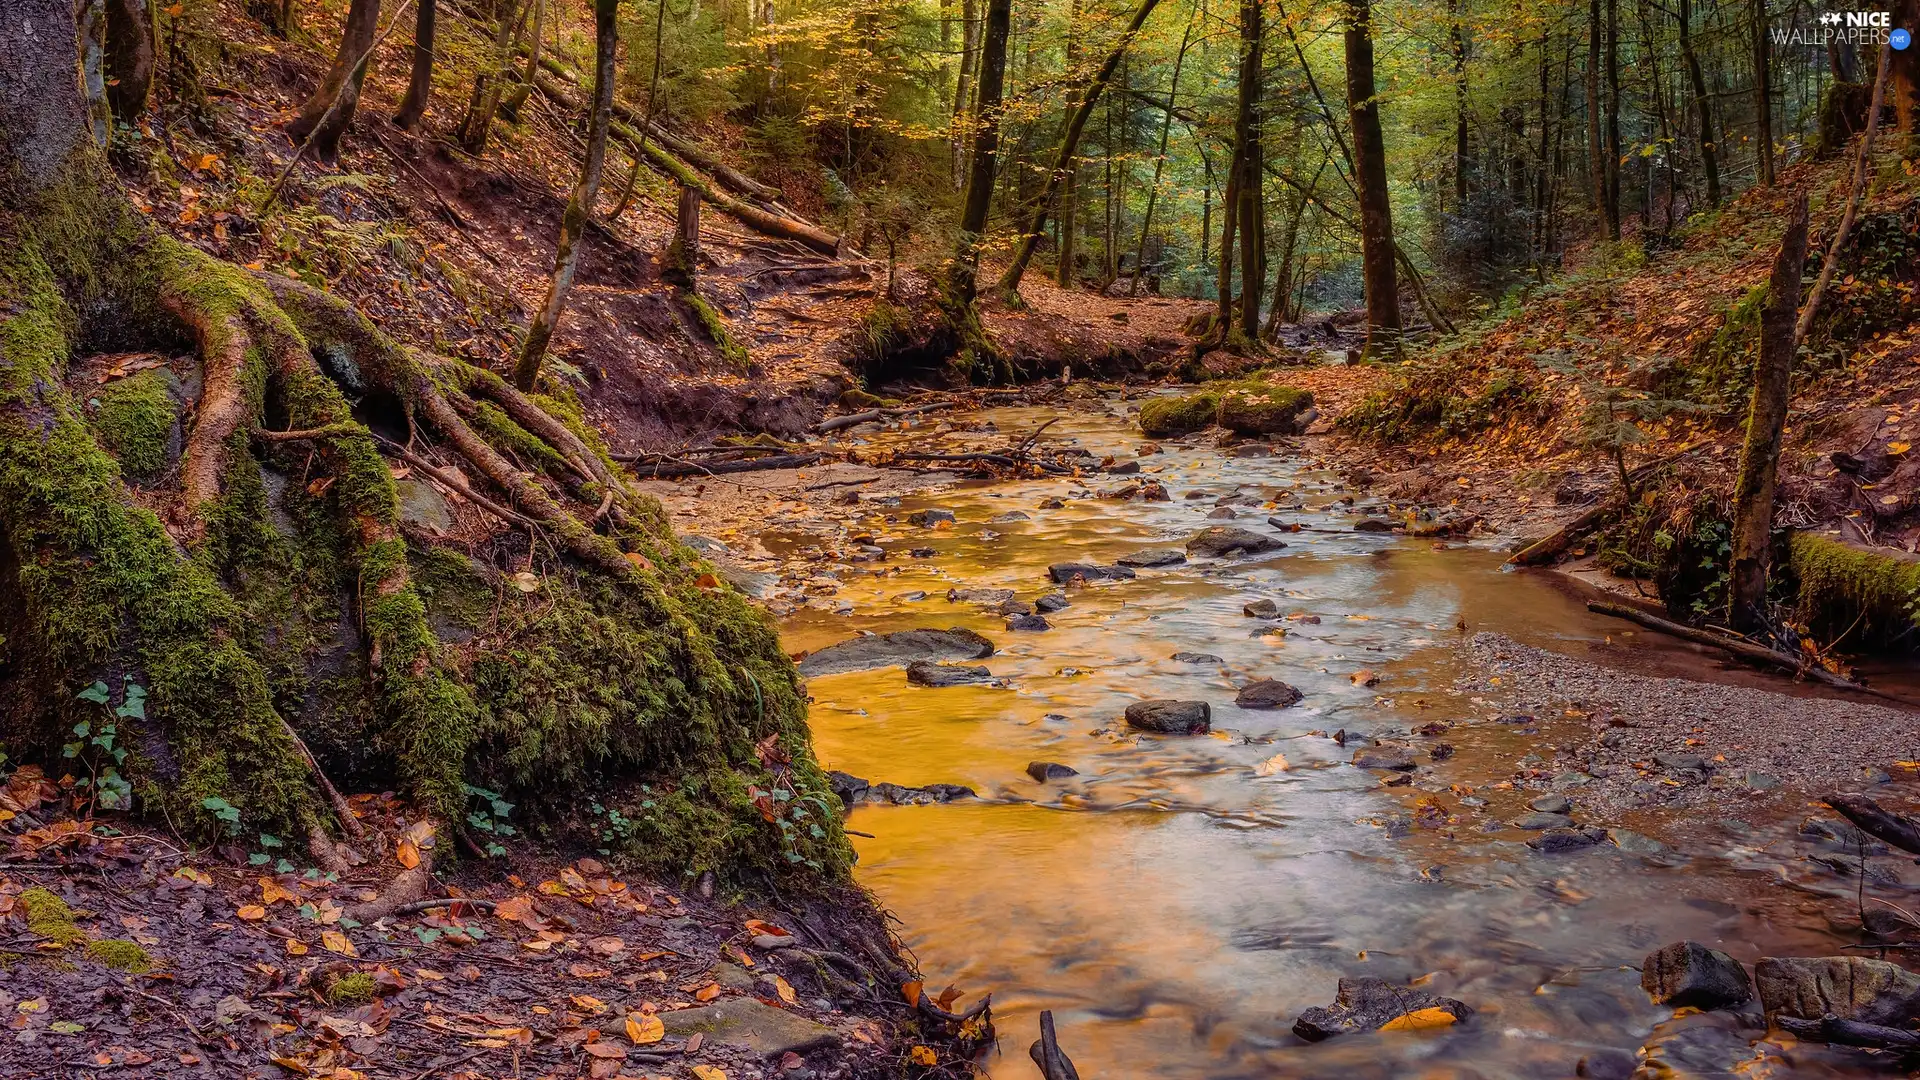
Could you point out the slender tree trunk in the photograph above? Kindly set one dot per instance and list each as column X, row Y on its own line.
column 1069, row 144
column 680, row 265
column 1370, row 177
column 1543, row 179
column 1068, row 219
column 420, row 82
column 1596, row 152
column 1247, row 142
column 489, row 83
column 1766, row 422
column 969, row 44
column 1613, row 120
column 1762, row 95
column 1862, row 177
column 1702, row 104
column 573, row 222
column 1458, row 40
column 516, row 98
column 1160, row 158
column 963, row 274
column 1229, row 222
column 342, row 81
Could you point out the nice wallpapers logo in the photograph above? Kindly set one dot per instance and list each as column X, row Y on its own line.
column 1869, row 28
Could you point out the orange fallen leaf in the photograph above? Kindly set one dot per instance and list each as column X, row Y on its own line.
column 784, row 989
column 407, row 853
column 251, row 913
column 707, row 992
column 1420, row 1020
column 606, row 1050
column 272, row 892
column 911, row 991
column 923, row 1055
column 645, row 1030
column 589, row 1003
column 336, row 942
column 709, row 1072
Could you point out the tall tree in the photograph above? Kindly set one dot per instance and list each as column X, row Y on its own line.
column 1458, row 40
column 984, row 124
column 1089, row 96
column 1762, row 96
column 1702, row 104
column 1160, row 157
column 1370, row 179
column 1613, row 155
column 420, row 80
column 573, row 221
column 320, row 121
column 1247, row 145
column 1067, row 221
column 1596, row 152
column 489, row 82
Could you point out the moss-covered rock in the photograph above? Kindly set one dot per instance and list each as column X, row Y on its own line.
column 50, row 917
column 1260, row 408
column 136, row 417
column 1164, row 417
column 121, row 955
column 1841, row 586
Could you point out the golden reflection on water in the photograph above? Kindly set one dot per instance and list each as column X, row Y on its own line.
column 1175, row 904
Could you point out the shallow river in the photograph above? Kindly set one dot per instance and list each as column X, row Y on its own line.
column 1176, row 904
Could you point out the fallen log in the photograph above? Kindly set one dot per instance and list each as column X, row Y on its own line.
column 1878, row 822
column 1005, row 461
column 772, row 224
column 849, row 420
column 1046, row 1053
column 1549, row 548
column 669, row 470
column 1832, row 1029
column 1758, row 655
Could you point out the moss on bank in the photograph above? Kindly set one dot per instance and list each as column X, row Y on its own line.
column 1259, row 408
column 1841, row 587
column 135, row 419
column 716, row 330
column 1164, row 417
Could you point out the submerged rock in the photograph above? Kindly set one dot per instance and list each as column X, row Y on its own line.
column 1849, row 987
column 1063, row 573
column 1369, row 1004
column 1164, row 716
column 1260, row 609
column 1050, row 603
column 923, row 673
column 1687, row 974
column 902, row 647
column 1028, row 622
column 1196, row 658
column 1373, row 525
column 1542, row 821
column 989, row 597
column 1219, row 541
column 1044, row 771
column 1153, row 557
column 1551, row 804
column 1557, row 840
column 930, row 518
column 1267, row 694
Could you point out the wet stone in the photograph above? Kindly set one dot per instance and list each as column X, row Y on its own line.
column 1196, row 658
column 1542, row 821
column 922, row 673
column 1050, row 603
column 765, row 1031
column 901, row 647
column 1607, row 1065
column 1011, row 515
column 921, row 553
column 1261, row 609
column 1687, row 974
column 1634, row 843
column 1550, row 804
column 989, row 597
column 1554, row 841
column 1153, row 557
column 1124, row 468
column 1373, row 525
column 1063, row 573
column 1028, row 622
column 1219, row 541
column 1369, row 1004
column 930, row 518
column 1681, row 762
column 1267, row 694
column 900, row 795
column 1013, row 607
column 1849, row 987
column 1222, row 513
column 1398, row 758
column 1044, row 771
column 1164, row 716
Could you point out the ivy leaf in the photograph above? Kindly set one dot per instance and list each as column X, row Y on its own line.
column 97, row 693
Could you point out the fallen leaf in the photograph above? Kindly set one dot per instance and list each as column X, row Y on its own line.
column 296, row 947
column 1275, row 764
column 607, row 1050
column 589, row 1003
column 526, row 582
column 251, row 913
column 911, row 991
column 645, row 1030
column 272, row 892
column 1897, row 448
column 407, row 854
column 1420, row 1020
column 923, row 1055
column 709, row 1072
column 336, row 942
column 707, row 992
column 784, row 989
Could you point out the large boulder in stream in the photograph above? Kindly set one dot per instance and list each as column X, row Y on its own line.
column 1268, row 694
column 1849, row 987
column 1369, row 1004
column 1687, row 974
column 902, row 647
column 1219, row 541
column 1254, row 408
column 1153, row 557
column 1163, row 716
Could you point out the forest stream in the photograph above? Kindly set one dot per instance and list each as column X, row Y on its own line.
column 1181, row 899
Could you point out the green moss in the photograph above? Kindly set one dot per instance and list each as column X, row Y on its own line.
column 135, row 418
column 1168, row 416
column 1259, row 408
column 1842, row 588
column 884, row 326
column 856, row 398
column 121, row 955
column 715, row 327
column 50, row 917
column 354, row 988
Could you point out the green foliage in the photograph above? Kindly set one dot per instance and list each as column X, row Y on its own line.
column 95, row 744
column 1163, row 417
column 882, row 329
column 488, row 813
column 135, row 417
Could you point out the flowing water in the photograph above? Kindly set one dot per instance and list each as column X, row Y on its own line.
column 1177, row 904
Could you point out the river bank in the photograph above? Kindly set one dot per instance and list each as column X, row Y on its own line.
column 1135, row 895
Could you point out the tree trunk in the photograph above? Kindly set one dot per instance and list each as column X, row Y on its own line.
column 1459, row 42
column 420, row 81
column 1247, row 142
column 1762, row 96
column 1068, row 219
column 516, row 99
column 964, row 271
column 1766, row 422
column 131, row 33
column 969, row 44
column 1069, row 143
column 573, row 222
column 342, row 82
column 680, row 266
column 1160, row 158
column 1862, row 177
column 1613, row 120
column 1596, row 152
column 1229, row 222
column 1702, row 104
column 488, row 83
column 1370, row 176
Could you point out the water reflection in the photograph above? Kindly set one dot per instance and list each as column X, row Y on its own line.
column 1177, row 903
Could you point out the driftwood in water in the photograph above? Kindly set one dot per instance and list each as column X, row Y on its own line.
column 1548, row 549
column 849, row 420
column 1832, row 1029
column 1046, row 1053
column 668, row 470
column 1876, row 821
column 1758, row 655
column 1005, row 461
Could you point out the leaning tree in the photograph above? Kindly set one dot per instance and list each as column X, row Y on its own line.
column 216, row 549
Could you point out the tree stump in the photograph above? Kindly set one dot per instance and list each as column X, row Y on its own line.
column 680, row 264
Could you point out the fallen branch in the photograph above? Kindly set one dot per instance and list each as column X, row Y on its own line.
column 849, row 420
column 1549, row 548
column 1758, row 655
column 672, row 470
column 1046, row 1053
column 1003, row 460
column 1899, row 830
column 1832, row 1029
